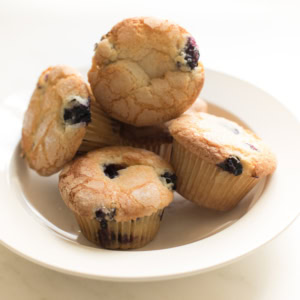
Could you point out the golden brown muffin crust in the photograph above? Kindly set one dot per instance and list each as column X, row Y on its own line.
column 139, row 74
column 47, row 141
column 216, row 139
column 137, row 190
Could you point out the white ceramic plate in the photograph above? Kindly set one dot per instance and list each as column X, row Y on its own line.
column 35, row 223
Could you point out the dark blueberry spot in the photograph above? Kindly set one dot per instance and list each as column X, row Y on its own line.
column 103, row 224
column 103, row 217
column 67, row 114
column 39, row 86
column 170, row 178
column 113, row 236
column 111, row 170
column 107, row 215
column 104, row 237
column 232, row 165
column 122, row 239
column 192, row 53
column 79, row 113
column 252, row 147
column 125, row 239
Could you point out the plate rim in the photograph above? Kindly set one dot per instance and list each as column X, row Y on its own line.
column 173, row 274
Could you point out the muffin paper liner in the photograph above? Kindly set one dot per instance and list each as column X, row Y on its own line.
column 163, row 150
column 120, row 235
column 102, row 131
column 206, row 184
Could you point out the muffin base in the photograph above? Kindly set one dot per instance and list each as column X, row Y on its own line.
column 101, row 132
column 206, row 184
column 120, row 235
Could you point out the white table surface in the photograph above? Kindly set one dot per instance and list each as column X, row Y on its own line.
column 254, row 40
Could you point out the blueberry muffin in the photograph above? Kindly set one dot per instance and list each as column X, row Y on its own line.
column 216, row 160
column 59, row 119
column 145, row 71
column 118, row 195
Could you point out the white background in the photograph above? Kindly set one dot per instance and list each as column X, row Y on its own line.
column 257, row 41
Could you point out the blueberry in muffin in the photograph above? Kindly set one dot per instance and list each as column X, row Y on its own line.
column 146, row 71
column 118, row 195
column 216, row 160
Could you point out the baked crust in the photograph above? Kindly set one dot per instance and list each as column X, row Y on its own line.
column 216, row 139
column 137, row 191
column 139, row 75
column 47, row 141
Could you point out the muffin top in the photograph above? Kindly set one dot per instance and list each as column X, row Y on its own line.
column 224, row 143
column 54, row 123
column 120, row 183
column 145, row 71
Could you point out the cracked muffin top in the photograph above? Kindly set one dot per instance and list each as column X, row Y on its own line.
column 224, row 143
column 56, row 119
column 145, row 71
column 122, row 183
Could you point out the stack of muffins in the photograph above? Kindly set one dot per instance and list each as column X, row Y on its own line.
column 136, row 134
